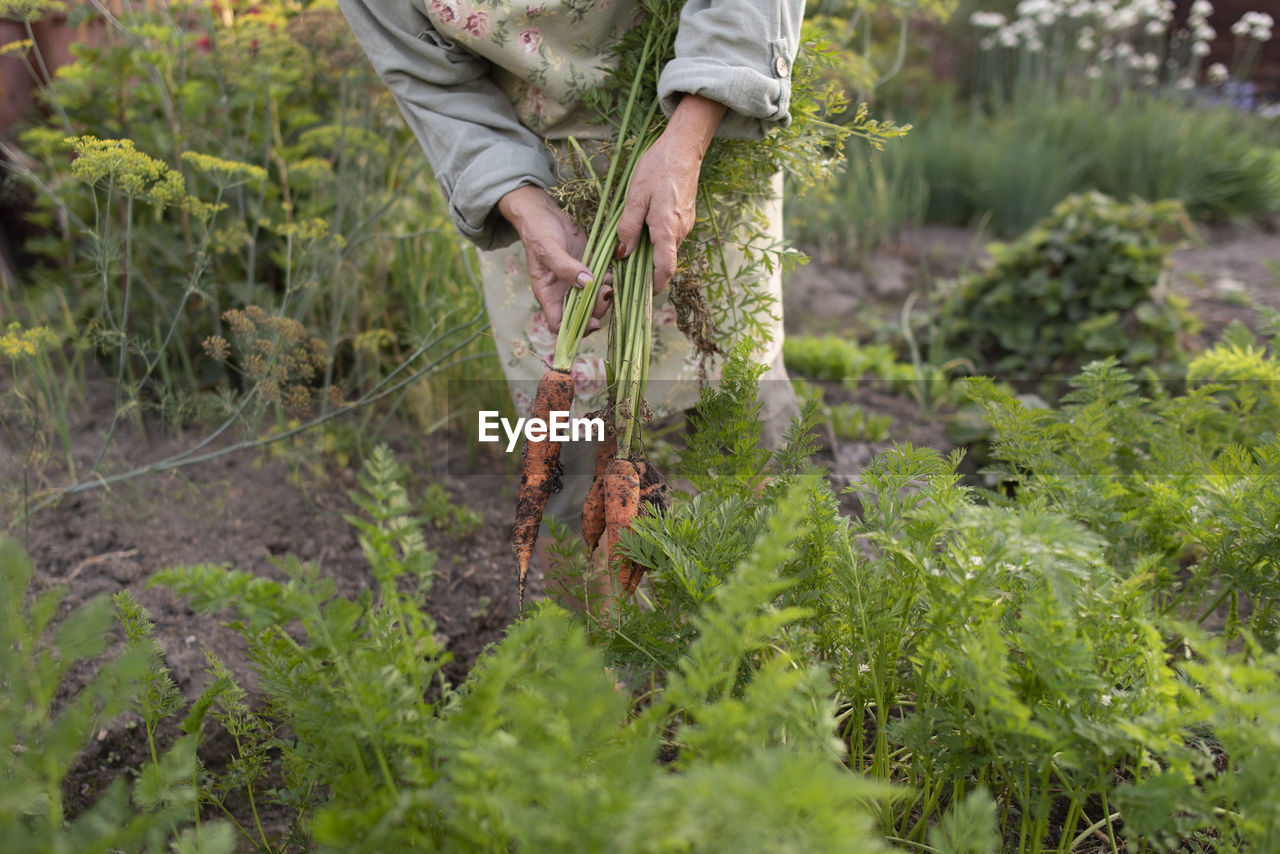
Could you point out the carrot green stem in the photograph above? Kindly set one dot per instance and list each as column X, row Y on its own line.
column 635, row 320
column 602, row 240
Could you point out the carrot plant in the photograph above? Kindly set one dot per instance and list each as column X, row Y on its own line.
column 941, row 668
column 539, row 749
column 46, row 723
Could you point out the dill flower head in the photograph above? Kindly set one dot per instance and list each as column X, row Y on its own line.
column 18, row 344
column 29, row 10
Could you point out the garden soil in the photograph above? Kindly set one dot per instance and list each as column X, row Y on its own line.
column 248, row 510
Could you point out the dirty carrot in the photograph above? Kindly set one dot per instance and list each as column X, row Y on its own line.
column 654, row 490
column 621, row 502
column 593, row 507
column 540, row 470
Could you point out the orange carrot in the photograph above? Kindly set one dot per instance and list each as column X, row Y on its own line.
column 593, row 507
column 653, row 501
column 621, row 502
column 541, row 470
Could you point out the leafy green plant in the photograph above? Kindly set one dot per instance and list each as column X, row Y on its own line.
column 841, row 359
column 538, row 749
column 1183, row 488
column 46, row 722
column 1082, row 284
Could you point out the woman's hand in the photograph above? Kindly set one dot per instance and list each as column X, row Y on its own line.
column 553, row 248
column 664, row 188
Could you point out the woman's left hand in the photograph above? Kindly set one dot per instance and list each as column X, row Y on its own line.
column 664, row 187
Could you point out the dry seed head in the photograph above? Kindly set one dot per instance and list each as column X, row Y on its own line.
column 217, row 348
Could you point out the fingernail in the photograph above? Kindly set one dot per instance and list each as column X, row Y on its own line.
column 620, row 252
column 608, row 297
column 584, row 279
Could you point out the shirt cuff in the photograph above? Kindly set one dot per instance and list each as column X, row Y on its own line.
column 758, row 100
column 473, row 193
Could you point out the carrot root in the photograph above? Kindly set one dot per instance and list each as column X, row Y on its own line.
column 621, row 503
column 541, row 471
column 593, row 507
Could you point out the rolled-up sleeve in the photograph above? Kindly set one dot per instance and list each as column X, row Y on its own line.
column 467, row 126
column 739, row 53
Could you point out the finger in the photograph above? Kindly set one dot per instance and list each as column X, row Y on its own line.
column 565, row 267
column 549, row 292
column 634, row 213
column 603, row 300
column 553, row 309
column 664, row 258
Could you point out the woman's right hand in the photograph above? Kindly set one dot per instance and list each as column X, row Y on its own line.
column 553, row 248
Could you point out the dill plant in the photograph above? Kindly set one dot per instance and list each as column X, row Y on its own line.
column 221, row 183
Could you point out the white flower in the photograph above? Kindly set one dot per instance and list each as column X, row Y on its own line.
column 1085, row 43
column 1255, row 25
column 1201, row 9
column 1123, row 18
column 1093, row 72
column 1269, row 111
column 1008, row 37
column 1124, row 50
column 1105, row 699
column 864, row 668
column 1185, row 83
column 1199, row 48
column 1203, row 32
column 1150, row 61
column 1080, row 9
column 1155, row 28
column 1218, row 74
column 987, row 20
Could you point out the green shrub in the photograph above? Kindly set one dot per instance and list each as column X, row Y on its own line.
column 1082, row 284
column 842, row 359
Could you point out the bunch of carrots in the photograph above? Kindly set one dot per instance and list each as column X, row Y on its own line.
column 624, row 482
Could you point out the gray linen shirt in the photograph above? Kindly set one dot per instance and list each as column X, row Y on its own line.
column 736, row 52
